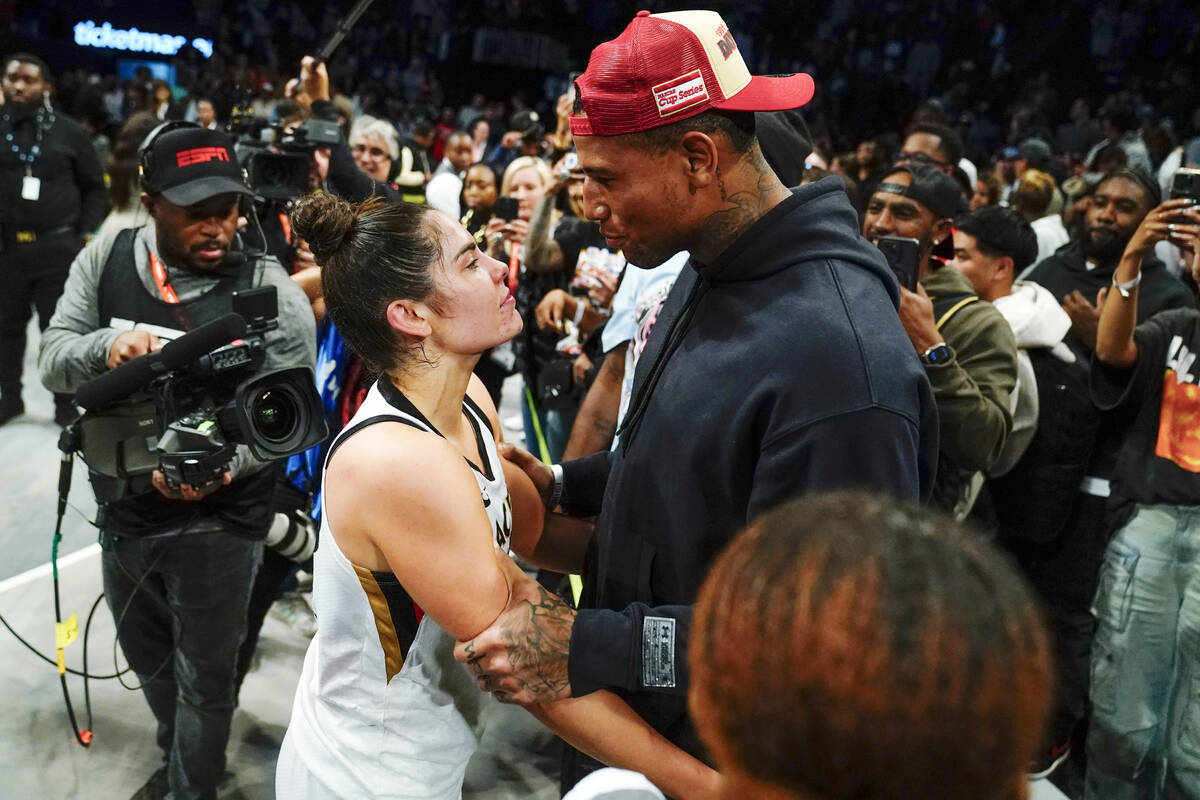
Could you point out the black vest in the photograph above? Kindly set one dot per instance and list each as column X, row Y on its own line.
column 245, row 505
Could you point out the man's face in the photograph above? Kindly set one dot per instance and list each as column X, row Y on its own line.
column 982, row 270
column 372, row 156
column 205, row 114
column 23, row 83
column 637, row 196
column 1116, row 209
column 196, row 237
column 890, row 214
column 925, row 148
column 458, row 151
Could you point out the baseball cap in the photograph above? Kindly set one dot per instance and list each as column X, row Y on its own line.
column 930, row 187
column 668, row 67
column 188, row 165
column 1035, row 149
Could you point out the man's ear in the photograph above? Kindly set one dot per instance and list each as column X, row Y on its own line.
column 409, row 318
column 1005, row 268
column 701, row 154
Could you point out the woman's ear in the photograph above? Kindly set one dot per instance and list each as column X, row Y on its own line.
column 410, row 318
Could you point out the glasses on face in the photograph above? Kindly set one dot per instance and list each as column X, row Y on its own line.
column 373, row 152
column 922, row 158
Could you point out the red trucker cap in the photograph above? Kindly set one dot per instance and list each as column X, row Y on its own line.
column 668, row 67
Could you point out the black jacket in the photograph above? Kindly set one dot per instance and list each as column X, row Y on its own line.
column 778, row 371
column 72, row 191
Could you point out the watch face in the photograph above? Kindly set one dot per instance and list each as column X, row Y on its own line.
column 936, row 355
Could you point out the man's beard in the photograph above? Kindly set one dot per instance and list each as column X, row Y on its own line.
column 1103, row 243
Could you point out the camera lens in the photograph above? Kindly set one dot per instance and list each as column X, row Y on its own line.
column 275, row 415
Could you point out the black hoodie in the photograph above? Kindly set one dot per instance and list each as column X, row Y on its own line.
column 778, row 371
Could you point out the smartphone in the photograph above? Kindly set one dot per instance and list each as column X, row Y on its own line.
column 901, row 253
column 1186, row 183
column 507, row 208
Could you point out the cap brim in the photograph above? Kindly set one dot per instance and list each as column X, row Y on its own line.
column 192, row 192
column 772, row 93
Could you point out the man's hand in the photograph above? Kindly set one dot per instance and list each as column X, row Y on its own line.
column 522, row 657
column 556, row 306
column 314, row 79
column 601, row 293
column 510, row 139
column 131, row 344
column 1085, row 317
column 539, row 473
column 580, row 367
column 916, row 314
column 186, row 491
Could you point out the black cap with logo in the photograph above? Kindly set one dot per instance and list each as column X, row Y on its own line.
column 188, row 165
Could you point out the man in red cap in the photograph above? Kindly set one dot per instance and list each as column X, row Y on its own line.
column 777, row 367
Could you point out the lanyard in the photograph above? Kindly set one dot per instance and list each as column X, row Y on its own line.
column 286, row 224
column 161, row 280
column 42, row 124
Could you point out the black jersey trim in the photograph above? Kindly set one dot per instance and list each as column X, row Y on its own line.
column 397, row 400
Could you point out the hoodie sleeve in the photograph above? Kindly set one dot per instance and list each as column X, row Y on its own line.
column 973, row 388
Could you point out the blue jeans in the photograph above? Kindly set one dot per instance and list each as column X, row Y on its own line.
column 179, row 600
column 556, row 427
column 1144, row 739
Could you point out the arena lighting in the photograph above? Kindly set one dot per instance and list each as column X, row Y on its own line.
column 106, row 37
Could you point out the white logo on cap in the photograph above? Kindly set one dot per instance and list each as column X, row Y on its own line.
column 680, row 94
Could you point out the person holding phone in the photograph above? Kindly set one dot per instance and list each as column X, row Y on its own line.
column 967, row 348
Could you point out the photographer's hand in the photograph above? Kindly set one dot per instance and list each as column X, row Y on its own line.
column 314, row 79
column 131, row 344
column 187, row 491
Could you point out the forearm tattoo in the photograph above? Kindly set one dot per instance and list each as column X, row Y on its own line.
column 537, row 646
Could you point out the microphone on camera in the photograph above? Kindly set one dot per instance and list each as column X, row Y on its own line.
column 126, row 379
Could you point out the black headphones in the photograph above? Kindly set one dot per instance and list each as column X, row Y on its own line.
column 146, row 157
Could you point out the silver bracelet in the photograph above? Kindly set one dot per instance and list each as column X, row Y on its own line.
column 1126, row 288
column 581, row 305
column 556, row 492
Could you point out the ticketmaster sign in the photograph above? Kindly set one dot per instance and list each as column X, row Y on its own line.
column 105, row 36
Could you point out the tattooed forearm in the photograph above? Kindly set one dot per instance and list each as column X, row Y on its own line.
column 538, row 643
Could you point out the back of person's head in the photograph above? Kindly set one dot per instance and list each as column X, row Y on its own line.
column 371, row 253
column 374, row 128
column 1033, row 194
column 123, row 160
column 999, row 232
column 423, row 127
column 1120, row 116
column 950, row 142
column 1109, row 158
column 525, row 162
column 850, row 646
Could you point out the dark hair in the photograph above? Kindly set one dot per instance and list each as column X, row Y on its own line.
column 457, row 132
column 370, row 253
column 30, row 58
column 1001, row 232
column 737, row 126
column 123, row 160
column 1110, row 153
column 422, row 127
column 949, row 141
column 1150, row 188
column 852, row 646
column 1120, row 115
column 476, row 223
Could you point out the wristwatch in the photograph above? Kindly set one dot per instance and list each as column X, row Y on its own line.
column 1124, row 288
column 938, row 354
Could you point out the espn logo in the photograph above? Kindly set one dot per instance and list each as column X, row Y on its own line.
column 199, row 155
column 680, row 94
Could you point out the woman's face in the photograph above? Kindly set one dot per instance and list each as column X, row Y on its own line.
column 575, row 195
column 481, row 131
column 980, row 198
column 476, row 308
column 479, row 189
column 527, row 187
column 371, row 156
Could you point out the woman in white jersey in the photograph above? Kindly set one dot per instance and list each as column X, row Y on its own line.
column 416, row 524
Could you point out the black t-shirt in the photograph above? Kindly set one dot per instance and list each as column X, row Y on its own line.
column 1159, row 460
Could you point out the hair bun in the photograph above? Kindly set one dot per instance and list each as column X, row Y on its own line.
column 325, row 222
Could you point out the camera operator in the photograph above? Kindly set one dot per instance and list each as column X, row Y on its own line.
column 344, row 177
column 178, row 561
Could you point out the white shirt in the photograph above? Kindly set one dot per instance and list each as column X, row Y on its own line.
column 1051, row 235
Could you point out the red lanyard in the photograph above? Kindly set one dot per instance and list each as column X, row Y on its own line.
column 161, row 280
column 286, row 224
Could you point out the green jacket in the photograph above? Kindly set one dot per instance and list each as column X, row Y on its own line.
column 972, row 389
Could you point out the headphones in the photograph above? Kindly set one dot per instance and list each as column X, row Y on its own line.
column 146, row 157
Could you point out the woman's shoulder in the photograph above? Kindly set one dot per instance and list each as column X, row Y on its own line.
column 392, row 457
